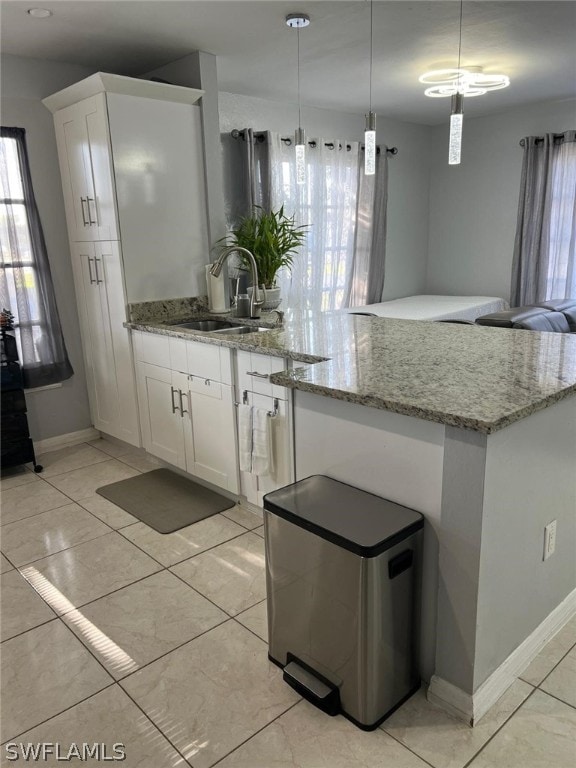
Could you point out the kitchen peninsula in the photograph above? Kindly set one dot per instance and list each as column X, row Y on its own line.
column 475, row 427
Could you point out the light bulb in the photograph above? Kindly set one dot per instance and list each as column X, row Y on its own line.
column 370, row 145
column 455, row 147
column 456, row 121
column 300, row 148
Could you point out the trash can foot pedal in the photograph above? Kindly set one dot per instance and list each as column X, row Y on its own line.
column 308, row 684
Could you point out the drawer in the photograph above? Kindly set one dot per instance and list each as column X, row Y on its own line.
column 206, row 387
column 154, row 349
column 254, row 373
column 204, row 360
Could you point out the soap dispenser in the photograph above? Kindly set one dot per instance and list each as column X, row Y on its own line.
column 216, row 292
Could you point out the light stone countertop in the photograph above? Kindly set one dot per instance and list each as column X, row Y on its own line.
column 468, row 376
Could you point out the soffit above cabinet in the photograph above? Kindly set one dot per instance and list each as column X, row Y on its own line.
column 102, row 82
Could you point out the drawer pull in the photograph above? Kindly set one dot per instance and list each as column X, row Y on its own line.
column 88, row 201
column 207, row 382
column 174, row 407
column 182, row 409
column 98, row 281
column 258, row 375
column 92, row 281
column 82, row 201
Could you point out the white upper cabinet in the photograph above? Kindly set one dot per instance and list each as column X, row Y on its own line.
column 132, row 163
column 85, row 166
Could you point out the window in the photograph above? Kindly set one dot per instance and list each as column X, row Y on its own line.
column 335, row 267
column 561, row 276
column 25, row 281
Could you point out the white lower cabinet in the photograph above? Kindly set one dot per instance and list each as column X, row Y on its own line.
column 161, row 417
column 253, row 372
column 187, row 419
column 106, row 343
column 186, row 396
column 213, row 432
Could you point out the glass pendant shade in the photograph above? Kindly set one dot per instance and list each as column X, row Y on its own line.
column 370, row 145
column 300, row 147
column 456, row 122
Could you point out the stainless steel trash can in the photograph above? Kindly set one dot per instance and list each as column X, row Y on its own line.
column 342, row 570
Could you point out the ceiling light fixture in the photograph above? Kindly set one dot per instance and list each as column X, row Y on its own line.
column 456, row 112
column 298, row 21
column 370, row 131
column 470, row 81
column 39, row 13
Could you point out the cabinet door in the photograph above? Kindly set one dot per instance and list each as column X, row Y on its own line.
column 213, row 433
column 96, row 338
column 101, row 199
column 74, row 158
column 108, row 276
column 160, row 415
column 253, row 487
column 86, row 170
column 106, row 343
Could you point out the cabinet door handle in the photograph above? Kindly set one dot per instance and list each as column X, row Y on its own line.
column 88, row 200
column 82, row 201
column 96, row 268
column 173, row 392
column 182, row 409
column 92, row 281
column 258, row 375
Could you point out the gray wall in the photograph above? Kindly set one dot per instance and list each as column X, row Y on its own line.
column 407, row 241
column 473, row 206
column 24, row 83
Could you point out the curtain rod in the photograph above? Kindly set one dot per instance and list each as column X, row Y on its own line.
column 540, row 139
column 236, row 134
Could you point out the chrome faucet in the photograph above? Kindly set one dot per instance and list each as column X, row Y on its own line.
column 216, row 268
column 280, row 316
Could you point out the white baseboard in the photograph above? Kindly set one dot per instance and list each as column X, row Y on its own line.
column 471, row 707
column 61, row 441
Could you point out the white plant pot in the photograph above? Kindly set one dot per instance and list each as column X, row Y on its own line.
column 271, row 297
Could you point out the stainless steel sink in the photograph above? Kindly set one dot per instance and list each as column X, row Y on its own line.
column 238, row 329
column 218, row 326
column 205, row 325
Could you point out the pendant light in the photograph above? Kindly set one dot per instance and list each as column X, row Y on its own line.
column 370, row 131
column 457, row 112
column 298, row 21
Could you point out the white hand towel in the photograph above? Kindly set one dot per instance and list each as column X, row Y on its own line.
column 262, row 459
column 245, row 437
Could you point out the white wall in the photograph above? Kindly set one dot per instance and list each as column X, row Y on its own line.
column 24, row 83
column 473, row 206
column 407, row 241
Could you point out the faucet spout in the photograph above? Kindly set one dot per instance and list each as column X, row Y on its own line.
column 216, row 268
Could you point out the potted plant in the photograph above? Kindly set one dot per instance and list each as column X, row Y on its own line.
column 273, row 238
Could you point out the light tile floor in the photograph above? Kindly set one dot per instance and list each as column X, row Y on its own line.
column 112, row 633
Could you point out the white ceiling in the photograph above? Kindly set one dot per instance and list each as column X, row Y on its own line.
column 532, row 42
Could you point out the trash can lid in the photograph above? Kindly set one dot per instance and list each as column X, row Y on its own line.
column 349, row 517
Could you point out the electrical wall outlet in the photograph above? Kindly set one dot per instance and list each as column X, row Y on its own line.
column 549, row 539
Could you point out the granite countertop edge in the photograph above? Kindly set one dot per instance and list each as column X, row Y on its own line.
column 273, row 342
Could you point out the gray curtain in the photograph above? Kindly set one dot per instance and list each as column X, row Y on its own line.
column 25, row 280
column 544, row 249
column 367, row 279
column 257, row 174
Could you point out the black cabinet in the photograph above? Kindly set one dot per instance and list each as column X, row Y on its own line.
column 16, row 446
